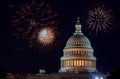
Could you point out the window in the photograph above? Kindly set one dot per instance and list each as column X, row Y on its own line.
column 82, row 63
column 75, row 62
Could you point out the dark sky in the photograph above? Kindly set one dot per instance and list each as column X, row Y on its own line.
column 18, row 59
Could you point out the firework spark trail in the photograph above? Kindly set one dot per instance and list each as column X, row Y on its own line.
column 30, row 18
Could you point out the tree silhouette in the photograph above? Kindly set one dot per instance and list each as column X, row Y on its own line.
column 115, row 74
column 2, row 72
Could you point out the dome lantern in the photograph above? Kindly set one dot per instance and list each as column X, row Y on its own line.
column 78, row 27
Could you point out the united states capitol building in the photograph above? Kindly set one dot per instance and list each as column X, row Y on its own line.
column 77, row 62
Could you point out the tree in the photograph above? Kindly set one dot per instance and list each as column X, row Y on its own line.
column 2, row 72
column 115, row 74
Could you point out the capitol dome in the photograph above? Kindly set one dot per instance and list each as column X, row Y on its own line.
column 78, row 53
column 78, row 40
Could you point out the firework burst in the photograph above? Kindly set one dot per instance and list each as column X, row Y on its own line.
column 99, row 18
column 46, row 36
column 30, row 18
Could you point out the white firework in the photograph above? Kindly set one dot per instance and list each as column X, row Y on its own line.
column 46, row 36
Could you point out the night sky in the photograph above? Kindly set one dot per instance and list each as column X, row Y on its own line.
column 22, row 59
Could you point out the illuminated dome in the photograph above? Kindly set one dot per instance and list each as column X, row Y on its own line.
column 78, row 53
column 78, row 40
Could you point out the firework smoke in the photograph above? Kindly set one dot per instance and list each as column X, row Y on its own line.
column 30, row 18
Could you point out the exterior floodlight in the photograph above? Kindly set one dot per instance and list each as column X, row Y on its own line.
column 101, row 78
column 96, row 78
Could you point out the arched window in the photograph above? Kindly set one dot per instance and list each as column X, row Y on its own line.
column 82, row 63
column 71, row 63
column 75, row 62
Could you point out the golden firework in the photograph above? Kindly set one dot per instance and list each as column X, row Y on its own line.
column 99, row 18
